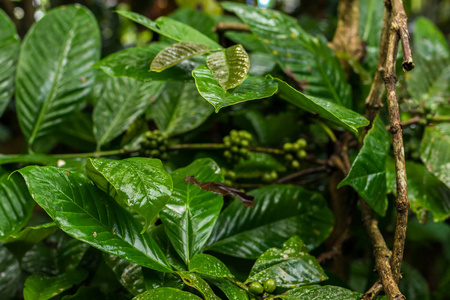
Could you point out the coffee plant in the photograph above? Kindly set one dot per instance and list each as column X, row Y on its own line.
column 222, row 150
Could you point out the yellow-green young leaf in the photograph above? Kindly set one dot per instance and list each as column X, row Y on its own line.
column 175, row 54
column 194, row 280
column 229, row 66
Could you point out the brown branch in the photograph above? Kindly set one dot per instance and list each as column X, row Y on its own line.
column 382, row 254
column 225, row 26
column 346, row 38
column 397, row 31
column 373, row 291
column 413, row 120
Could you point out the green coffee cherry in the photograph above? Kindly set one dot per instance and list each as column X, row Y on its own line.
column 301, row 154
column 267, row 177
column 154, row 144
column 237, row 144
column 287, row 147
column 270, row 285
column 295, row 164
column 256, row 288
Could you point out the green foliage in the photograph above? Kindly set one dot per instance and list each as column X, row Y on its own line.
column 106, row 150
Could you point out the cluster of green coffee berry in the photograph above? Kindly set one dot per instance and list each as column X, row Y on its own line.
column 271, row 176
column 295, row 152
column 257, row 288
column 229, row 176
column 155, row 144
column 237, row 144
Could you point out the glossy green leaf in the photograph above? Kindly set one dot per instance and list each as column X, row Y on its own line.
column 252, row 88
column 172, row 29
column 371, row 21
column 43, row 288
column 290, row 266
column 88, row 214
column 9, row 52
column 142, row 183
column 135, row 63
column 231, row 290
column 129, row 274
column 367, row 174
column 70, row 253
column 197, row 19
column 314, row 292
column 246, row 39
column 77, row 132
column 40, row 260
column 24, row 240
column 261, row 64
column 191, row 213
column 154, row 279
column 121, row 102
column 308, row 60
column 425, row 191
column 209, row 265
column 256, row 165
column 229, row 66
column 163, row 241
column 429, row 82
column 179, row 108
column 280, row 212
column 331, row 111
column 16, row 205
column 166, row 293
column 435, row 153
column 54, row 72
column 176, row 53
column 194, row 280
column 10, row 274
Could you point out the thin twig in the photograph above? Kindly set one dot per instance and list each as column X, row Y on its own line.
column 302, row 173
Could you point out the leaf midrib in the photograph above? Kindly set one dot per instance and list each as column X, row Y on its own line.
column 69, row 199
column 119, row 113
column 54, row 88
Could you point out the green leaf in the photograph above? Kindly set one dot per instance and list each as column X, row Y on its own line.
column 314, row 292
column 280, row 212
column 229, row 66
column 434, row 151
column 247, row 39
column 41, row 288
column 367, row 175
column 84, row 293
column 252, row 88
column 257, row 164
column 429, row 83
column 88, row 214
column 24, row 240
column 9, row 52
column 70, row 253
column 172, row 29
column 209, row 265
column 11, row 271
column 166, row 293
column 310, row 61
column 371, row 21
column 129, row 274
column 425, row 191
column 176, row 53
column 154, row 279
column 179, row 108
column 231, row 290
column 195, row 281
column 134, row 63
column 142, row 183
column 413, row 285
column 260, row 64
column 16, row 205
column 191, row 213
column 163, row 241
column 331, row 111
column 196, row 19
column 54, row 72
column 121, row 102
column 290, row 266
